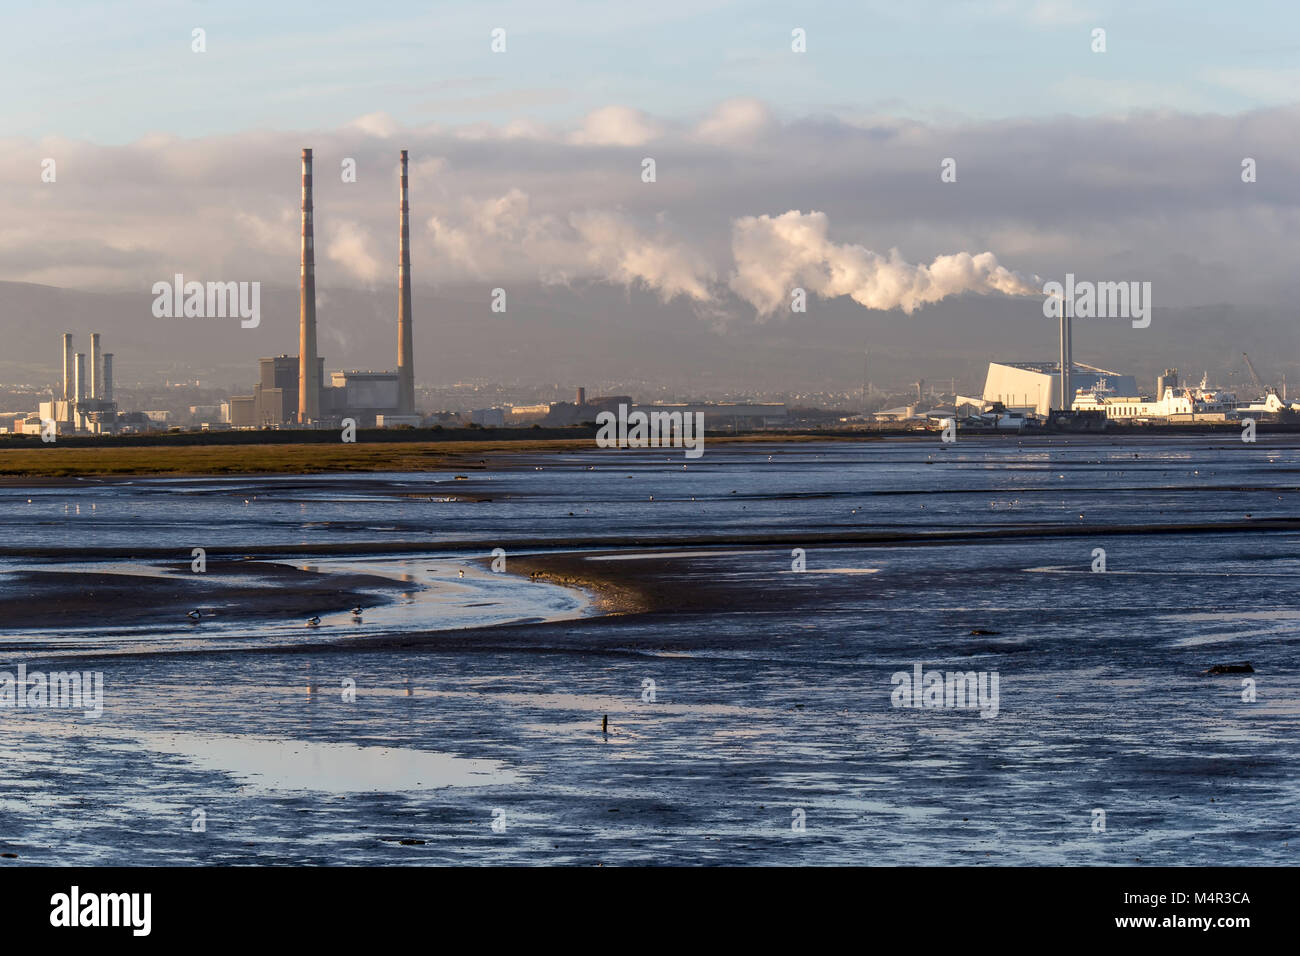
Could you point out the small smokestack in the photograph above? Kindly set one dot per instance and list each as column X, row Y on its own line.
column 67, row 367
column 106, row 386
column 405, row 346
column 1069, row 358
column 79, row 378
column 1067, row 396
column 94, row 365
column 308, row 383
column 582, row 396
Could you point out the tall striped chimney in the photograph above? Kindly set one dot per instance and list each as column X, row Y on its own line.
column 67, row 367
column 308, row 383
column 106, row 384
column 405, row 347
column 94, row 365
column 79, row 378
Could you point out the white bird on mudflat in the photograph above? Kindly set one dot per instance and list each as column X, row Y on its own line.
column 313, row 621
column 460, row 574
column 356, row 611
column 193, row 615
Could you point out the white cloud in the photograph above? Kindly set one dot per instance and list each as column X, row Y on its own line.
column 1151, row 196
column 735, row 121
column 379, row 125
column 616, row 126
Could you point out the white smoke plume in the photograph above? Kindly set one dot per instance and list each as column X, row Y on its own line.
column 619, row 251
column 505, row 236
column 350, row 245
column 775, row 254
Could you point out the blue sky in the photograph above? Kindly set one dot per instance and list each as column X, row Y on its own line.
column 115, row 72
column 527, row 165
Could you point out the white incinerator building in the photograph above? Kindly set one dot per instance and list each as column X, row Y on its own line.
column 1036, row 386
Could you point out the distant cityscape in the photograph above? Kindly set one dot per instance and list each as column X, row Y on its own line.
column 291, row 391
column 1014, row 395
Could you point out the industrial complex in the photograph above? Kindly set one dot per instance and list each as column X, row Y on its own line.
column 87, row 404
column 292, row 391
column 1020, row 395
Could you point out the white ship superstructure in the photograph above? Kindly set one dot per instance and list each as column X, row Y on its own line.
column 1186, row 403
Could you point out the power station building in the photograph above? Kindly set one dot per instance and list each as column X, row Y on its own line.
column 1039, row 387
column 291, row 392
column 275, row 397
column 368, row 397
column 87, row 402
column 1036, row 386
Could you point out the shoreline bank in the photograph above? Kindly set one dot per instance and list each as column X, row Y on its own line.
column 24, row 459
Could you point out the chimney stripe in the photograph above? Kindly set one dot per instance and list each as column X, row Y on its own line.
column 405, row 338
column 308, row 383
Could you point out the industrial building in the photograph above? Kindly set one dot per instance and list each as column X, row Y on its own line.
column 1038, row 387
column 562, row 414
column 726, row 416
column 291, row 392
column 718, row 416
column 275, row 398
column 368, row 396
column 87, row 402
column 528, row 414
column 1035, row 387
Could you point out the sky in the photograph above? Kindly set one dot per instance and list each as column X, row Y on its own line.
column 113, row 72
column 774, row 168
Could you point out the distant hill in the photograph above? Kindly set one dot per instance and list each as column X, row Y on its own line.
column 599, row 334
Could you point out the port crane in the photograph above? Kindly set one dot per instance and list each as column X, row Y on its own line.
column 1265, row 390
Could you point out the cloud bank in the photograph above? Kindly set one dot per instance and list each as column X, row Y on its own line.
column 722, row 228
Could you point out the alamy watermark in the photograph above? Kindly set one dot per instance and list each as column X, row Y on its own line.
column 956, row 690
column 215, row 300
column 75, row 908
column 655, row 429
column 57, row 690
column 1101, row 300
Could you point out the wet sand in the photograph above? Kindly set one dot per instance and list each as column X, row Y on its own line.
column 231, row 590
column 837, row 538
column 772, row 688
column 462, row 728
column 245, row 588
